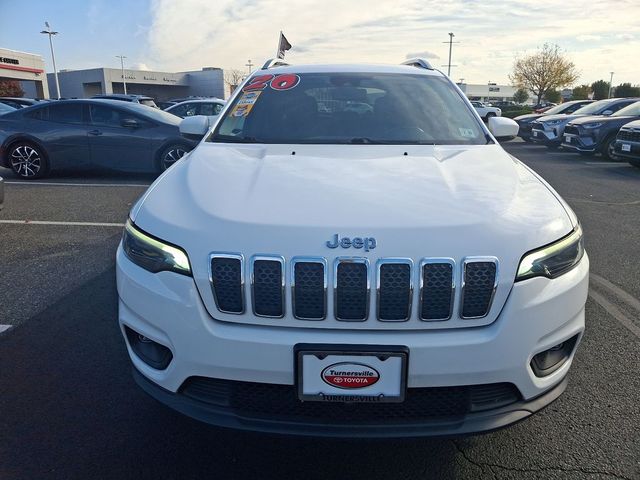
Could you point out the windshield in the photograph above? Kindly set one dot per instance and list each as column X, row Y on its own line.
column 154, row 114
column 349, row 108
column 560, row 108
column 632, row 110
column 592, row 108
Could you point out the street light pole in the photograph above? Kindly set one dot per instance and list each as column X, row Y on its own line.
column 610, row 85
column 249, row 64
column 124, row 81
column 450, row 42
column 53, row 56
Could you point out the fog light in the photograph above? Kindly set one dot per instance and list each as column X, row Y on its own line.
column 547, row 362
column 152, row 353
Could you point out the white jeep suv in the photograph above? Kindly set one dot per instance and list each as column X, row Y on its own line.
column 350, row 252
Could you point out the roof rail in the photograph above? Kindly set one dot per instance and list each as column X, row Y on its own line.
column 274, row 62
column 418, row 62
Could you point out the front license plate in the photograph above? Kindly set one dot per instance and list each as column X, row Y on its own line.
column 351, row 376
column 535, row 134
column 626, row 147
column 567, row 138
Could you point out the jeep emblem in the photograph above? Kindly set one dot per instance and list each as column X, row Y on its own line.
column 368, row 243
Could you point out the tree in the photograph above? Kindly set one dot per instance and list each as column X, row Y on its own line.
column 521, row 95
column 553, row 96
column 546, row 70
column 600, row 89
column 10, row 88
column 581, row 92
column 626, row 90
column 232, row 78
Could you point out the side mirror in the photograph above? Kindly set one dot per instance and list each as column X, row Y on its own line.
column 503, row 128
column 606, row 113
column 194, row 128
column 130, row 123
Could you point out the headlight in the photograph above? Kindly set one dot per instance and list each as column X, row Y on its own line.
column 153, row 254
column 553, row 260
column 592, row 125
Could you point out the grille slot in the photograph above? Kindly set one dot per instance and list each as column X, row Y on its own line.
column 227, row 281
column 436, row 289
column 479, row 285
column 267, row 286
column 351, row 289
column 309, row 288
column 395, row 289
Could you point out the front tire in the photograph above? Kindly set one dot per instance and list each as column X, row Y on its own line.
column 170, row 155
column 608, row 148
column 28, row 160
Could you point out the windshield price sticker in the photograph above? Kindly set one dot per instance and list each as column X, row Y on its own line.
column 286, row 81
column 245, row 104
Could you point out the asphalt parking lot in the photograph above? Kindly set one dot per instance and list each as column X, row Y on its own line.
column 70, row 409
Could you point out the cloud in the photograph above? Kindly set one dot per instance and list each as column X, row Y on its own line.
column 423, row 54
column 139, row 66
column 625, row 36
column 188, row 34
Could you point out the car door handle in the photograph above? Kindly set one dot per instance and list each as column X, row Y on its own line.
column 95, row 132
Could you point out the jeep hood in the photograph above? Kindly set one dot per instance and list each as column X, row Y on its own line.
column 417, row 201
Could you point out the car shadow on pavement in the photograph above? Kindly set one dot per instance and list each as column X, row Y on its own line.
column 85, row 175
column 70, row 409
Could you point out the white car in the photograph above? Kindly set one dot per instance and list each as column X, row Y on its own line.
column 388, row 271
column 486, row 111
column 209, row 107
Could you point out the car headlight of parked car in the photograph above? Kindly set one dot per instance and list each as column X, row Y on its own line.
column 554, row 259
column 153, row 254
column 592, row 125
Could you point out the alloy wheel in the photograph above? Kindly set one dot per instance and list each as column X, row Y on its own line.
column 172, row 155
column 26, row 161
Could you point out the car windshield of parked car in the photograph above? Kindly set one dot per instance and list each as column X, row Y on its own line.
column 6, row 109
column 593, row 108
column 632, row 110
column 559, row 108
column 350, row 108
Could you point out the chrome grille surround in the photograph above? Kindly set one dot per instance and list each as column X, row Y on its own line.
column 475, row 260
column 393, row 261
column 436, row 261
column 292, row 275
column 336, row 265
column 252, row 268
column 229, row 256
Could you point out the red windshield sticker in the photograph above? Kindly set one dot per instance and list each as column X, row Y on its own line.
column 258, row 82
column 285, row 82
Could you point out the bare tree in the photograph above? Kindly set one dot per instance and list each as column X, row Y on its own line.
column 544, row 71
column 232, row 78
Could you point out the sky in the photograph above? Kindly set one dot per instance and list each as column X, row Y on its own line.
column 600, row 36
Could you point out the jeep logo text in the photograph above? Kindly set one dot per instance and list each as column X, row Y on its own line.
column 368, row 243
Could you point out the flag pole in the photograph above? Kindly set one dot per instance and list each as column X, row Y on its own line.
column 278, row 47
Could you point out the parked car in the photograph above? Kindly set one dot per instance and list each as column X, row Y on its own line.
column 4, row 108
column 525, row 121
column 90, row 133
column 543, row 107
column 627, row 144
column 389, row 271
column 210, row 108
column 597, row 134
column 142, row 99
column 486, row 111
column 549, row 129
column 19, row 102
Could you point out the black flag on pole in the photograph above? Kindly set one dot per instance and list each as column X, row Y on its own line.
column 283, row 46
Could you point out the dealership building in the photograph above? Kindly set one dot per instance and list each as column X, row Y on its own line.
column 26, row 68
column 489, row 92
column 208, row 82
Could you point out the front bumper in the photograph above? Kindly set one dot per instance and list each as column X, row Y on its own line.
column 580, row 143
column 539, row 314
column 631, row 149
column 546, row 137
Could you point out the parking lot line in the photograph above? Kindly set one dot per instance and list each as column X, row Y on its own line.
column 607, row 164
column 4, row 328
column 60, row 184
column 73, row 224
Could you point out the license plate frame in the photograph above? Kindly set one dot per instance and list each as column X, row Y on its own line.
column 625, row 147
column 315, row 359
